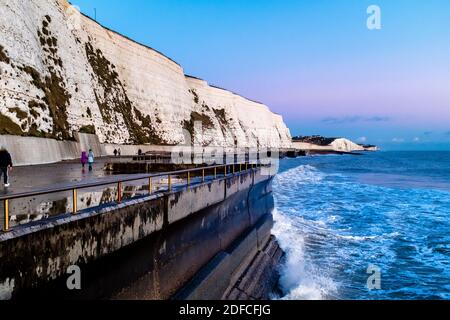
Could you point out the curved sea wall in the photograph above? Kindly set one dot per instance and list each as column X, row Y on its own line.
column 62, row 72
column 209, row 240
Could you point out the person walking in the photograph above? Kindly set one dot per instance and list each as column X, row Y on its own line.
column 5, row 165
column 84, row 159
column 115, row 152
column 91, row 159
column 119, row 152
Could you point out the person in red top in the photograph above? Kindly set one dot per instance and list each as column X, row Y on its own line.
column 5, row 165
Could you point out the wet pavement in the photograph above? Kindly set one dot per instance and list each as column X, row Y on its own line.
column 32, row 178
column 61, row 175
column 65, row 174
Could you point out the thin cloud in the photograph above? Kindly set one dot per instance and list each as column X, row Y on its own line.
column 377, row 119
column 398, row 140
column 362, row 139
column 354, row 119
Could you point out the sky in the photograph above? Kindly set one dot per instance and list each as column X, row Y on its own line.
column 313, row 61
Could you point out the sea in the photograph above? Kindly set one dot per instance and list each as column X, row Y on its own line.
column 370, row 227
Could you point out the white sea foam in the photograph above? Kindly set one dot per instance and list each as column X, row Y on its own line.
column 357, row 238
column 300, row 279
column 299, row 230
column 333, row 226
column 301, row 175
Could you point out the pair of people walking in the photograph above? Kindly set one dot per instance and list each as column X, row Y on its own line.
column 117, row 152
column 88, row 158
column 6, row 166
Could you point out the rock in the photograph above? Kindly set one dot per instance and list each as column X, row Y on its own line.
column 319, row 143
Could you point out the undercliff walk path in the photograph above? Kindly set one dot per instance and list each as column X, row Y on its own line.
column 61, row 174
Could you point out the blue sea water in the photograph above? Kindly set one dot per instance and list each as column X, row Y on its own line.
column 336, row 216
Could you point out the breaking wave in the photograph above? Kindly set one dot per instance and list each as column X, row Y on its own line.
column 332, row 227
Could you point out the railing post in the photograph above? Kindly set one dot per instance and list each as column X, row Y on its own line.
column 75, row 201
column 240, row 167
column 150, row 185
column 246, row 166
column 119, row 192
column 169, row 182
column 225, row 171
column 234, row 169
column 6, row 215
column 203, row 175
column 215, row 173
column 189, row 178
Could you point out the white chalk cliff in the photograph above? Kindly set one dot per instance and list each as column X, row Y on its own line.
column 61, row 73
column 339, row 145
column 346, row 145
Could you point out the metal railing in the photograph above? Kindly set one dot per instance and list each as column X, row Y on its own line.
column 225, row 169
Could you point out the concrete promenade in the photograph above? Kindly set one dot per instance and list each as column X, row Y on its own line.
column 29, row 178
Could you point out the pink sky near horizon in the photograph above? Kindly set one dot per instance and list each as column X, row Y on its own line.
column 311, row 60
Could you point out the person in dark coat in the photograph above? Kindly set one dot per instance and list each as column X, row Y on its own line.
column 5, row 165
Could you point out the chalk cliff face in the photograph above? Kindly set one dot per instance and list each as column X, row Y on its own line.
column 62, row 72
column 319, row 143
column 346, row 145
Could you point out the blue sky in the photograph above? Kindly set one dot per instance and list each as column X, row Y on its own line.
column 313, row 61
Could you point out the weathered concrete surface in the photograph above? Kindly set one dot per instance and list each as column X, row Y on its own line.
column 260, row 278
column 90, row 141
column 34, row 151
column 244, row 270
column 35, row 255
column 195, row 199
column 240, row 182
column 133, row 250
column 190, row 244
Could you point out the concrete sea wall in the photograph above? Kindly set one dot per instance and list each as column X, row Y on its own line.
column 33, row 151
column 154, row 247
